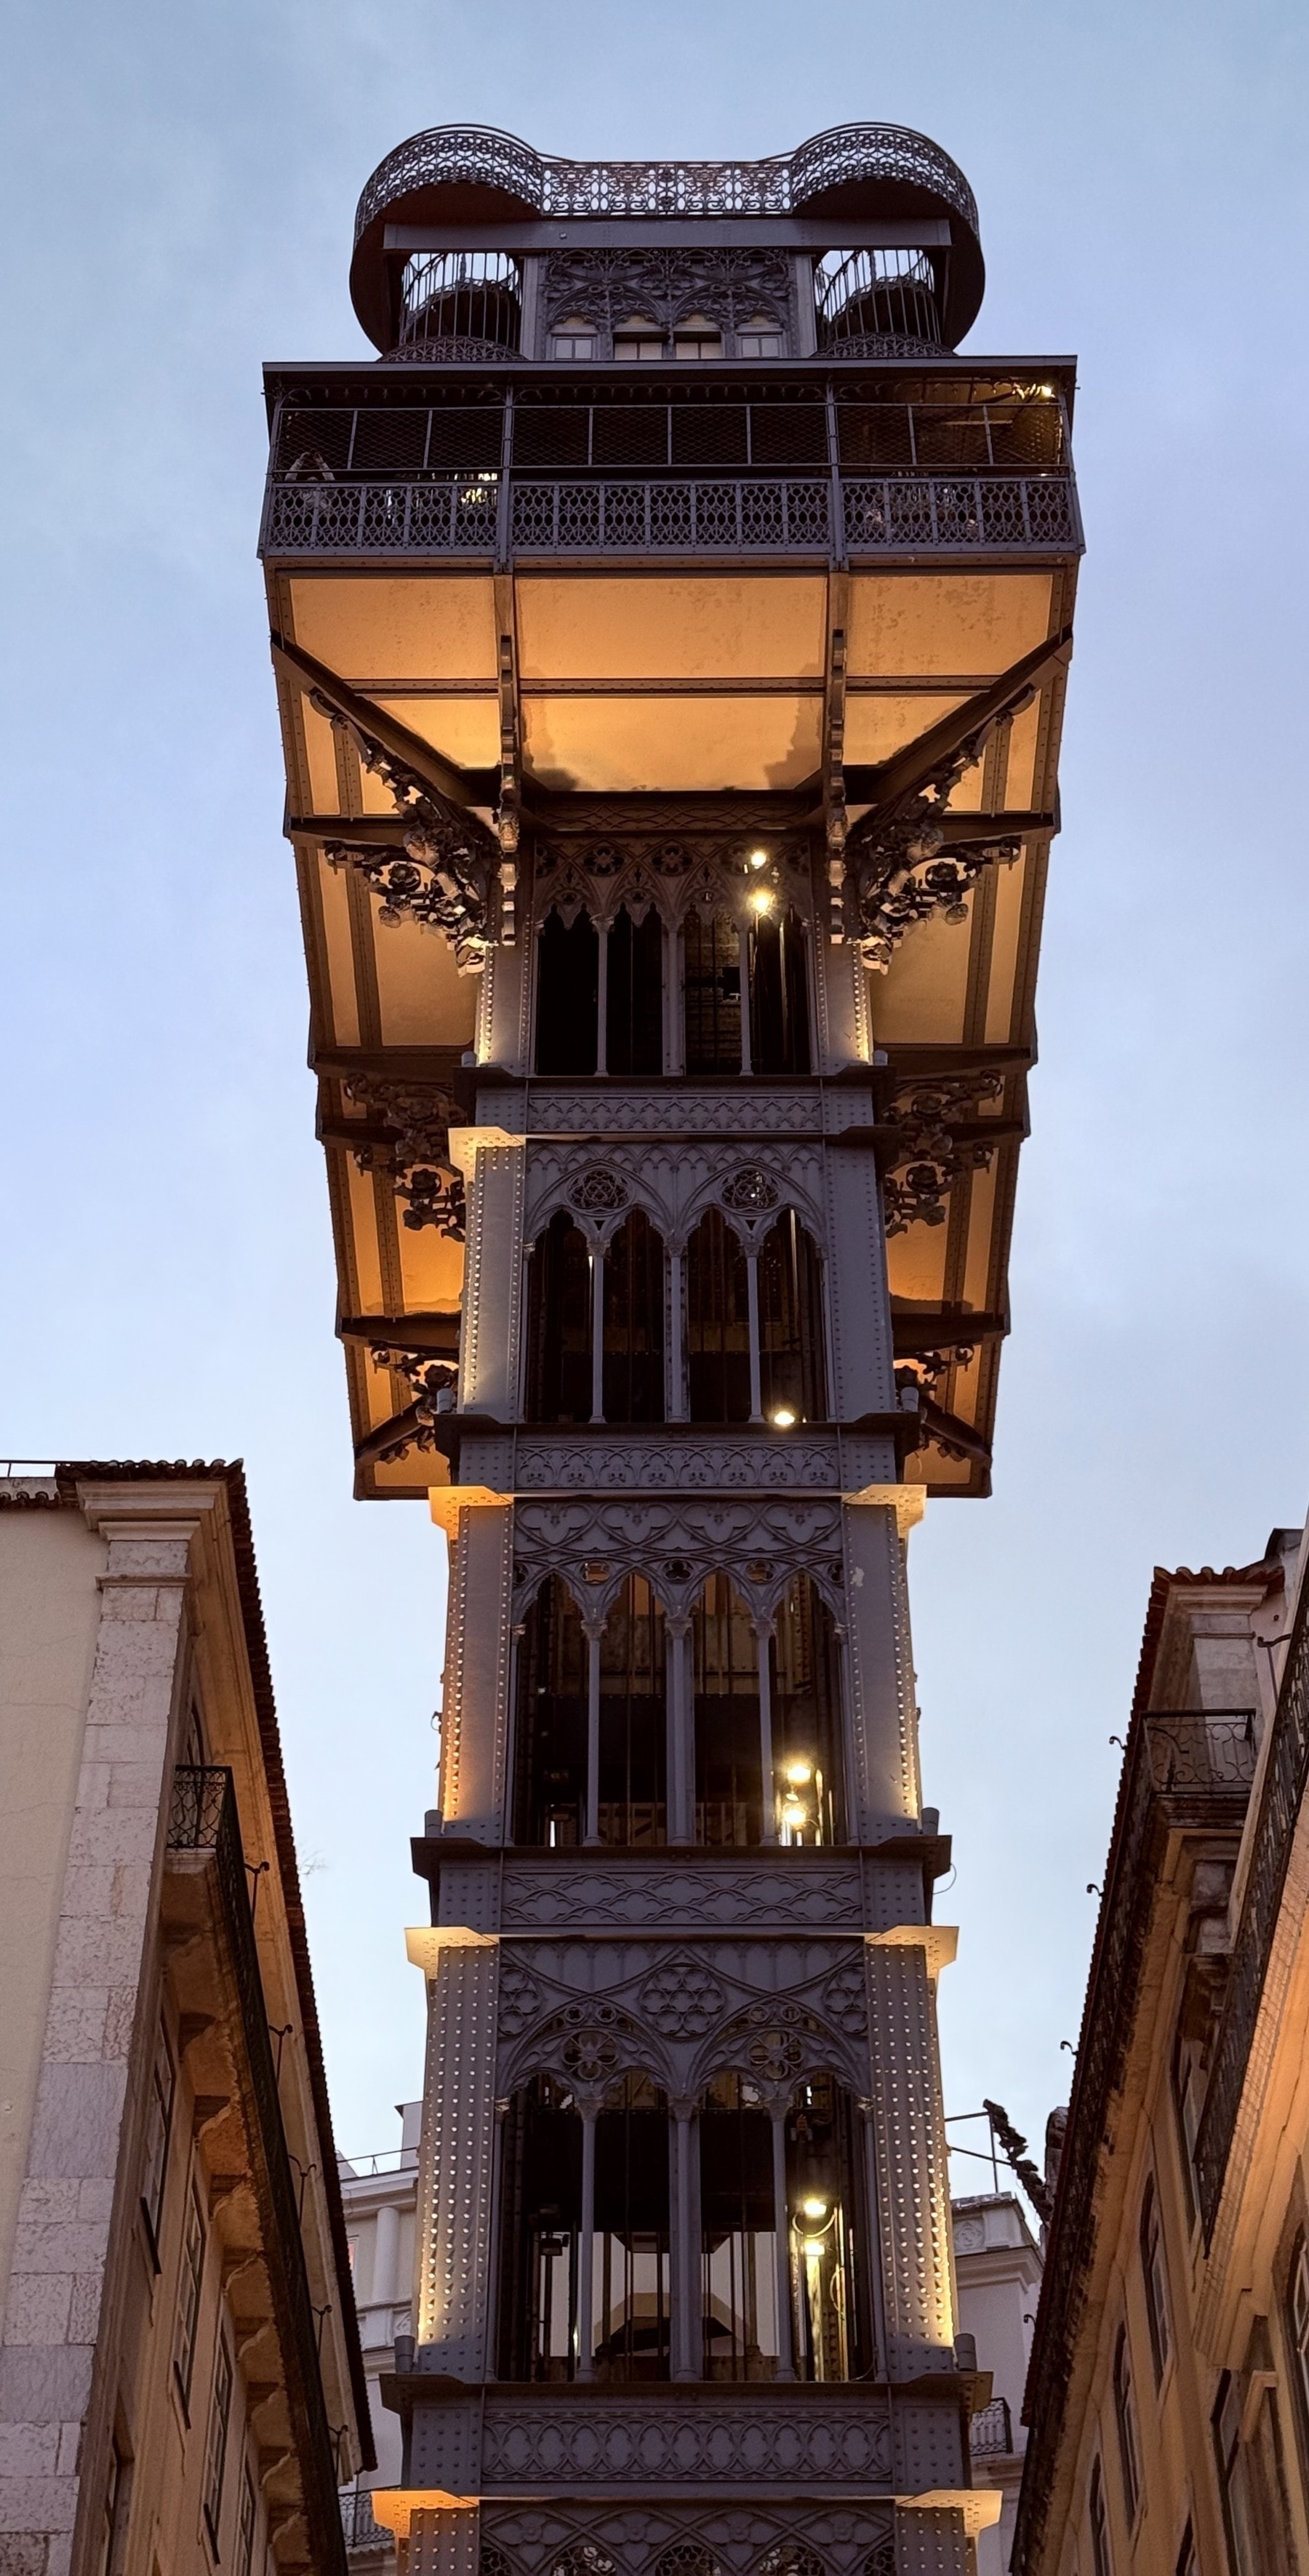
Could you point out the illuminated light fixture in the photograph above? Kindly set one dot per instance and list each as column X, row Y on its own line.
column 784, row 1418
column 812, row 2245
column 761, row 900
column 798, row 1773
column 1047, row 391
column 792, row 1812
column 813, row 2209
column 757, row 859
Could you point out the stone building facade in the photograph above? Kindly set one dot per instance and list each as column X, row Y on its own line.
column 180, row 2378
column 1168, row 2400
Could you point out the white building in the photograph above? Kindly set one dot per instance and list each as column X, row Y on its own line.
column 998, row 2275
column 379, row 2193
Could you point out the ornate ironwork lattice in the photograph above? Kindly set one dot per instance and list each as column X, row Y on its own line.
column 481, row 154
column 731, row 287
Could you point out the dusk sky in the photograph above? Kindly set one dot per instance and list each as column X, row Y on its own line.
column 179, row 187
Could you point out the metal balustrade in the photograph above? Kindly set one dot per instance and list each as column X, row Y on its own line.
column 990, row 2434
column 359, row 2524
column 740, row 515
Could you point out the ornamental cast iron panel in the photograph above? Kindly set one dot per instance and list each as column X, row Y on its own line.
column 594, row 516
column 448, row 155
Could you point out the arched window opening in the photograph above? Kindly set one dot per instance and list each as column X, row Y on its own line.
column 540, row 2226
column 634, row 995
column 806, row 1707
column 829, row 2236
column 728, row 1756
column 712, row 993
column 779, row 994
column 550, row 1733
column 738, row 2233
column 792, row 1359
column 633, row 1719
column 717, row 1322
column 567, row 995
column 559, row 1371
column 630, row 2262
column 634, row 1322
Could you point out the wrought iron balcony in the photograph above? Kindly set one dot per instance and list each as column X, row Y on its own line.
column 359, row 2524
column 990, row 2434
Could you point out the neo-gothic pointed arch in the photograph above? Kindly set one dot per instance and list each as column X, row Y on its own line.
column 559, row 1380
column 634, row 1303
column 567, row 994
column 717, row 1322
column 550, row 1722
column 792, row 1340
column 778, row 971
column 729, row 1783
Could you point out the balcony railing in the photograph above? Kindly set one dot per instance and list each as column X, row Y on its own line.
column 1286, row 1780
column 990, row 2434
column 359, row 2525
column 1202, row 1748
column 589, row 515
column 203, row 1818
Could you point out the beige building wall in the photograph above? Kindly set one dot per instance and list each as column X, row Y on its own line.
column 1169, row 2394
column 50, row 1565
column 162, row 2404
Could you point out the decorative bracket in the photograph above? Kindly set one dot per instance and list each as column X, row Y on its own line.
column 415, row 1152
column 444, row 872
column 896, row 849
column 926, row 1153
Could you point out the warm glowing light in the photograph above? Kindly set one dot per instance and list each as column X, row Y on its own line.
column 757, row 859
column 813, row 2209
column 812, row 2244
column 1047, row 390
column 792, row 1812
column 784, row 1418
column 799, row 1772
column 761, row 900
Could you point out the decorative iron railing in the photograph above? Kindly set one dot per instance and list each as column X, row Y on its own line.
column 359, row 2524
column 1286, row 1779
column 990, row 2434
column 1202, row 1748
column 203, row 1817
column 482, row 155
column 737, row 515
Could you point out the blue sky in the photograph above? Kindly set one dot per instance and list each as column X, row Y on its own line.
column 178, row 188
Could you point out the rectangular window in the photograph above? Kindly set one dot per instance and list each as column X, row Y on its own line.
column 118, row 2490
column 188, row 2298
column 246, row 2524
column 158, row 2128
column 1156, row 2280
column 1125, row 2416
column 1188, row 2100
column 1097, row 2516
column 220, row 2412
